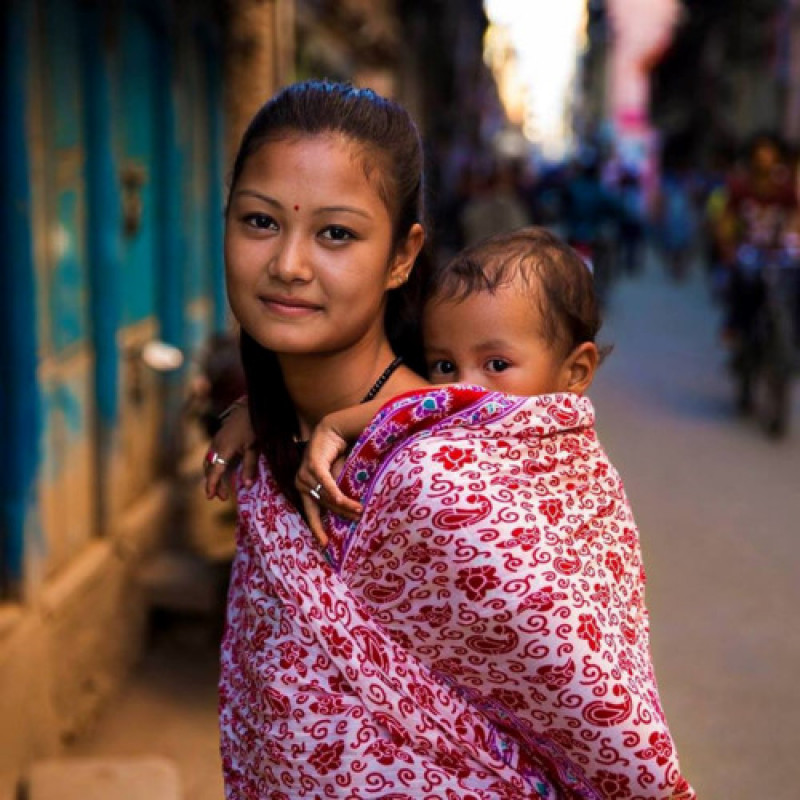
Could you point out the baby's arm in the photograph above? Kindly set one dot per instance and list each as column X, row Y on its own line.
column 330, row 440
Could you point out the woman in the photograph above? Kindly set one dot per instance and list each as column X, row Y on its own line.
column 421, row 657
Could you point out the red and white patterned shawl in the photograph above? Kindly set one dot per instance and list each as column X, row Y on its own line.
column 480, row 633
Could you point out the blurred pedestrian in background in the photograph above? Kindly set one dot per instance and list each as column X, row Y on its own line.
column 760, row 210
column 495, row 203
column 759, row 234
column 633, row 219
column 714, row 204
column 675, row 217
column 591, row 213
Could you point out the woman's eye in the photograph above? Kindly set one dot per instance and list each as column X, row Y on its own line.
column 442, row 367
column 337, row 234
column 260, row 221
column 497, row 365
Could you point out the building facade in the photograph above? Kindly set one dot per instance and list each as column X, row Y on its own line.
column 117, row 118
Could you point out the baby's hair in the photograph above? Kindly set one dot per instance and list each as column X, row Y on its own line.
column 543, row 264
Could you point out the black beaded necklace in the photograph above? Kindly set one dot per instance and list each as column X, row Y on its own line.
column 385, row 375
column 371, row 394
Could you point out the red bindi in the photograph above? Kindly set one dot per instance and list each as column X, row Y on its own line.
column 297, row 208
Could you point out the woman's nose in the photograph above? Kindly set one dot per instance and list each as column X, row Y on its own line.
column 290, row 262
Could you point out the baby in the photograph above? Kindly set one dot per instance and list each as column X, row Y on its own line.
column 516, row 313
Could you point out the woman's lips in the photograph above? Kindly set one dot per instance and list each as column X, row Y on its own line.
column 289, row 306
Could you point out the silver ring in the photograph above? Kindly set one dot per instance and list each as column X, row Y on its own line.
column 213, row 458
column 315, row 492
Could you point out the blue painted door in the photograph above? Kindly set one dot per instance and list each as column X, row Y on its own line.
column 68, row 481
column 143, row 138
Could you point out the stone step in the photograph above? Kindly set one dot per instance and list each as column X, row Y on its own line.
column 129, row 778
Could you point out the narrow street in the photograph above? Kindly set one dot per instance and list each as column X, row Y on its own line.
column 718, row 508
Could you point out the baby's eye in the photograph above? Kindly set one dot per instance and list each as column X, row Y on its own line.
column 497, row 365
column 442, row 367
column 336, row 233
column 260, row 221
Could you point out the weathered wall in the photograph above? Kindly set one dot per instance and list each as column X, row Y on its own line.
column 113, row 142
column 260, row 58
column 64, row 655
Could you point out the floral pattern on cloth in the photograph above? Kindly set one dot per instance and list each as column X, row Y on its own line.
column 479, row 634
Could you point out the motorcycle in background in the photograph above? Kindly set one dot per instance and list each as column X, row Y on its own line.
column 767, row 356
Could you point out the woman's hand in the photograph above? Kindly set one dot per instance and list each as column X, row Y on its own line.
column 234, row 441
column 324, row 455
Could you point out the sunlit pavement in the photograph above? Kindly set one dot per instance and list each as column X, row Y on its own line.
column 718, row 506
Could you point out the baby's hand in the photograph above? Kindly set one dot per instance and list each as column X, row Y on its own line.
column 325, row 451
column 233, row 441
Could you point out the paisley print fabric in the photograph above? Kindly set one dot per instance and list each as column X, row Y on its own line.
column 479, row 634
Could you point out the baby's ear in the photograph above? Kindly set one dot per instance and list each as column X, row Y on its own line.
column 580, row 366
column 405, row 255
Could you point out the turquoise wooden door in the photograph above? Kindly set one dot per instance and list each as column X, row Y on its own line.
column 144, row 142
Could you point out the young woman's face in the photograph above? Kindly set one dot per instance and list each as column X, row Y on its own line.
column 308, row 247
column 492, row 340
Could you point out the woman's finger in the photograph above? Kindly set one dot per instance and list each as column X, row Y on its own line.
column 250, row 466
column 333, row 498
column 330, row 496
column 341, row 505
column 214, row 465
column 230, row 443
column 304, row 481
column 314, row 517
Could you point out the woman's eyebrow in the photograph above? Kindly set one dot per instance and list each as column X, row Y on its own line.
column 259, row 196
column 324, row 210
column 343, row 209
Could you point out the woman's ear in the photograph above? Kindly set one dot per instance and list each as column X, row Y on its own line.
column 405, row 255
column 579, row 368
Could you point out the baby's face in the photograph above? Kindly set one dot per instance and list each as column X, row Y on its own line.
column 494, row 341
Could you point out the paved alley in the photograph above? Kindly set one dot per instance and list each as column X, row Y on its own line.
column 718, row 506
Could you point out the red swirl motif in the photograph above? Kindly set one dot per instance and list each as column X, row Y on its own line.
column 501, row 639
column 605, row 714
column 457, row 518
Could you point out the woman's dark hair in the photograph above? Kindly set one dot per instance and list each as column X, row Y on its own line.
column 393, row 160
column 559, row 280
